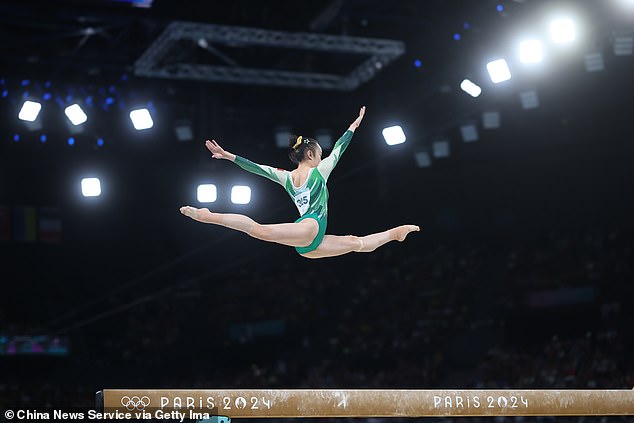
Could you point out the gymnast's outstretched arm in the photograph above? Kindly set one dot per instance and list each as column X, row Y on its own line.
column 275, row 175
column 326, row 166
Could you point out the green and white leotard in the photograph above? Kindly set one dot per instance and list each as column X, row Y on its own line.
column 311, row 198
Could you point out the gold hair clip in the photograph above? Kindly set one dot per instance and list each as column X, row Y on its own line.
column 297, row 144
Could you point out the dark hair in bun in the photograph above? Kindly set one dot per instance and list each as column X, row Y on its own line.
column 299, row 146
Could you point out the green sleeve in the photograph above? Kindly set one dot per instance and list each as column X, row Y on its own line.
column 328, row 164
column 275, row 175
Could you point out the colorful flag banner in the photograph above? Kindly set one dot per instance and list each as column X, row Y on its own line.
column 5, row 223
column 50, row 225
column 24, row 224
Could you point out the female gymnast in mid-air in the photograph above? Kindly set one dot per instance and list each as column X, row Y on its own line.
column 307, row 187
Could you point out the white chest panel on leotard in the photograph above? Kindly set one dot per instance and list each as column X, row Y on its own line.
column 302, row 201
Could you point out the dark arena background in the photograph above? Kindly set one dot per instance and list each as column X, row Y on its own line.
column 522, row 275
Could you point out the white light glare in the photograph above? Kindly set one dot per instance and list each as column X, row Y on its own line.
column 394, row 135
column 141, row 119
column 499, row 71
column 240, row 194
column 207, row 193
column 562, row 30
column 90, row 187
column 29, row 111
column 75, row 114
column 627, row 3
column 531, row 51
column 470, row 88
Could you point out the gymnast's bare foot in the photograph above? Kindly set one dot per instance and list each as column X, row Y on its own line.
column 190, row 211
column 401, row 232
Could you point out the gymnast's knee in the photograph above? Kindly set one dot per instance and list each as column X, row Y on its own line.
column 260, row 231
column 310, row 231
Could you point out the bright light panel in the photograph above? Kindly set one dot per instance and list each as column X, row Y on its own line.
column 529, row 99
column 627, row 4
column 141, row 119
column 184, row 132
column 531, row 51
column 422, row 159
column 75, row 114
column 207, row 193
column 623, row 45
column 594, row 62
column 90, row 187
column 29, row 111
column 440, row 149
column 324, row 138
column 394, row 135
column 563, row 30
column 469, row 133
column 240, row 194
column 491, row 120
column 499, row 71
column 470, row 88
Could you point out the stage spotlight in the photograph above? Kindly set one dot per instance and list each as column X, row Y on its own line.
column 184, row 130
column 282, row 136
column 440, row 149
column 531, row 51
column 141, row 119
column 498, row 71
column 29, row 111
column 422, row 159
column 394, row 135
column 90, row 187
column 100, row 142
column 43, row 138
column 529, row 99
column 240, row 194
column 623, row 45
column 207, row 193
column 627, row 4
column 594, row 62
column 469, row 133
column 324, row 138
column 562, row 31
column 75, row 114
column 16, row 138
column 470, row 88
column 71, row 141
column 491, row 120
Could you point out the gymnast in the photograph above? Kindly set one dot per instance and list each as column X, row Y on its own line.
column 307, row 187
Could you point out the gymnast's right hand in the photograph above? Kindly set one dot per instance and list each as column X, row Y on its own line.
column 217, row 151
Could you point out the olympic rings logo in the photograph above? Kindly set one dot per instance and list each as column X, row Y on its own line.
column 135, row 403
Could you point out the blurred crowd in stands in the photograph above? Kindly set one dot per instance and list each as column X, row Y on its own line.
column 504, row 314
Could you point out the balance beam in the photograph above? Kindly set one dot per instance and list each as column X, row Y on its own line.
column 297, row 403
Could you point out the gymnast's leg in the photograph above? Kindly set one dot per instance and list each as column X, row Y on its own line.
column 298, row 234
column 333, row 245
